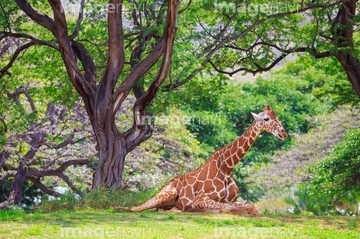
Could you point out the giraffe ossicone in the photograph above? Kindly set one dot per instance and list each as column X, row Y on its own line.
column 211, row 188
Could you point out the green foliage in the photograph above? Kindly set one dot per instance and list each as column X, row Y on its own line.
column 4, row 190
column 14, row 213
column 297, row 91
column 304, row 202
column 336, row 179
column 97, row 199
column 323, row 78
column 108, row 198
column 66, row 201
column 201, row 104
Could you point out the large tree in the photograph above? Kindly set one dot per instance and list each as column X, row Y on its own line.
column 103, row 95
column 119, row 48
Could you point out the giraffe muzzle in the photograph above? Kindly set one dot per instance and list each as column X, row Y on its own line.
column 281, row 135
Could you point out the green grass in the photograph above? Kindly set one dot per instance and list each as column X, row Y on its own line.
column 92, row 216
column 113, row 224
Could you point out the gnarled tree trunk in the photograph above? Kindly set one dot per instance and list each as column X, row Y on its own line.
column 112, row 152
column 352, row 69
column 342, row 30
column 16, row 187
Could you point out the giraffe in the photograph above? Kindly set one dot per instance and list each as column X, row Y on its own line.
column 211, row 188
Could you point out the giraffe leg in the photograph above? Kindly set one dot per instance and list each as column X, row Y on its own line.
column 239, row 207
column 232, row 191
column 165, row 199
column 243, row 208
column 203, row 203
column 175, row 209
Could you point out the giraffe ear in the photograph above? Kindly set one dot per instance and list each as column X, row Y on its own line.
column 266, row 107
column 256, row 116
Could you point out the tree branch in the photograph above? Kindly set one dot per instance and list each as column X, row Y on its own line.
column 69, row 141
column 35, row 173
column 14, row 56
column 33, row 41
column 116, row 58
column 259, row 68
column 27, row 36
column 60, row 31
column 68, row 182
column 123, row 90
column 36, row 141
column 140, row 130
column 22, row 90
column 39, row 18
column 115, row 63
column 186, row 7
column 211, row 50
column 40, row 185
column 79, row 21
column 89, row 67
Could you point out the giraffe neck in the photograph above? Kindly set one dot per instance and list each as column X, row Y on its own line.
column 236, row 150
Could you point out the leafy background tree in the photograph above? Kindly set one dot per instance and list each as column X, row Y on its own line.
column 336, row 178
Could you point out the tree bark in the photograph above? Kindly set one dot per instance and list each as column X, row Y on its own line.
column 352, row 69
column 342, row 30
column 16, row 188
column 112, row 152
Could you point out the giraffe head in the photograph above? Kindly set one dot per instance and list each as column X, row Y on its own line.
column 268, row 121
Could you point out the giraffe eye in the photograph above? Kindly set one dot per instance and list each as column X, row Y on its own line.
column 266, row 118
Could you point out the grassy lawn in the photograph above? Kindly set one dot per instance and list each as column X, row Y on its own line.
column 111, row 224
